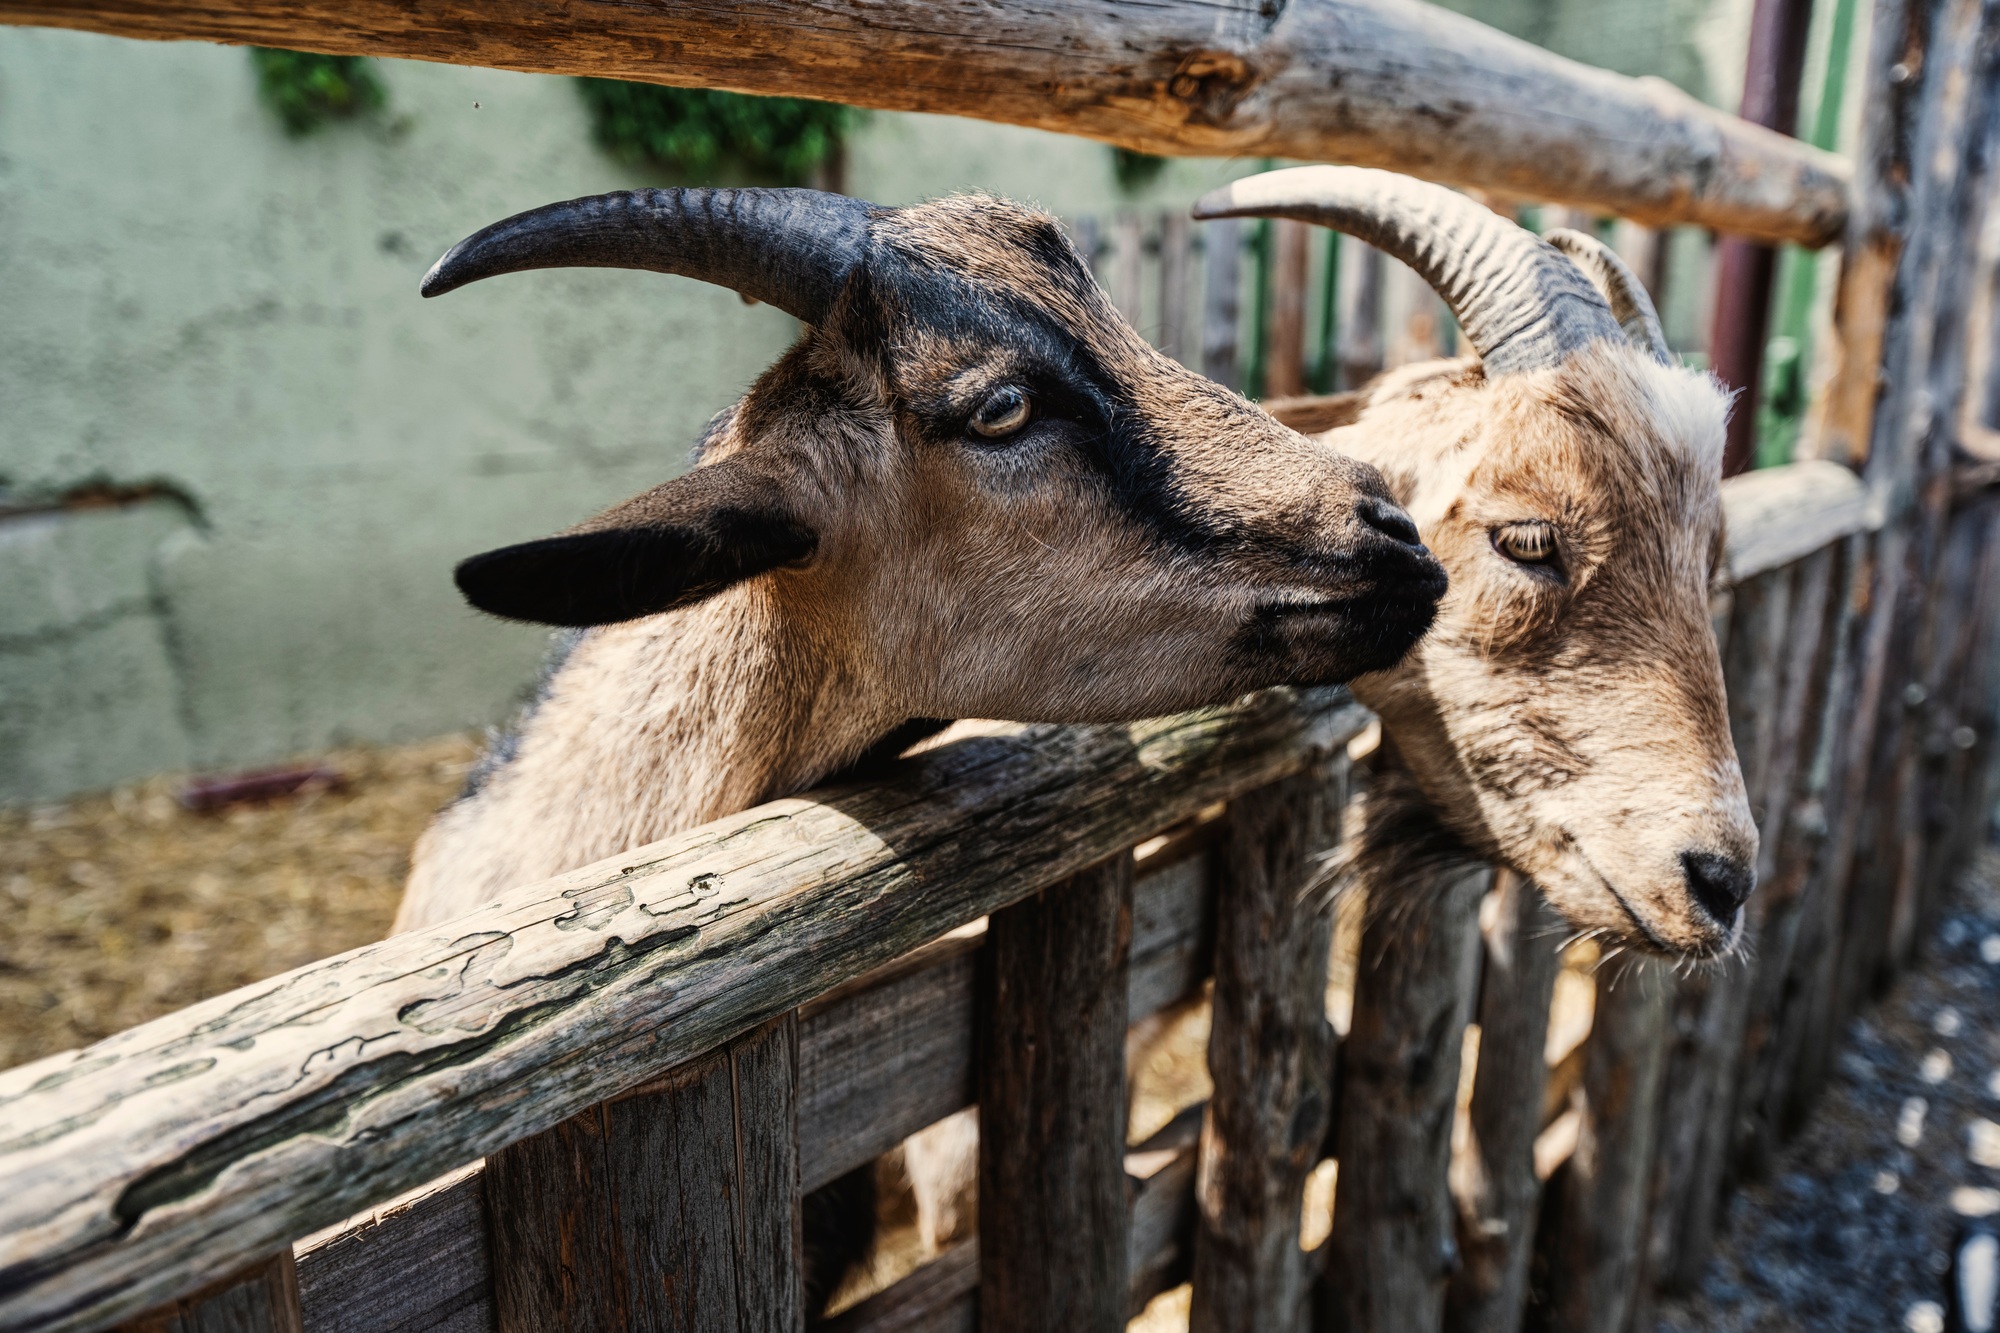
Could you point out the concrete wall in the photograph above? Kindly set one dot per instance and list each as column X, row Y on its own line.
column 216, row 327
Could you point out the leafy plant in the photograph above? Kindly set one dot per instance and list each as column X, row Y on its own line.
column 697, row 130
column 306, row 91
column 1135, row 171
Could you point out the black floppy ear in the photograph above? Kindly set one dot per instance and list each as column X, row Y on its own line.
column 671, row 547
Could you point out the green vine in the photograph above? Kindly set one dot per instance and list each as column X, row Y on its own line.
column 306, row 91
column 1135, row 171
column 694, row 131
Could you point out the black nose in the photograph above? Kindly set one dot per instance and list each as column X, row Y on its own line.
column 1719, row 883
column 1387, row 519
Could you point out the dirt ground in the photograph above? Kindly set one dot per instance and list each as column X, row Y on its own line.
column 125, row 906
column 119, row 908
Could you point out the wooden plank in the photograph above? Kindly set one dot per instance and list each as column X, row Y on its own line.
column 1285, row 320
column 1319, row 80
column 674, row 1208
column 1595, row 1230
column 940, row 1297
column 1127, row 267
column 263, row 1300
column 1392, row 1245
column 265, row 1114
column 1495, row 1187
column 1361, row 350
column 1160, row 1173
column 1270, row 1053
column 1052, row 1210
column 1777, row 515
column 416, row 1267
column 1176, row 283
column 1222, row 300
column 878, row 1065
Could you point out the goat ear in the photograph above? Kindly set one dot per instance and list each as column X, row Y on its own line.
column 671, row 547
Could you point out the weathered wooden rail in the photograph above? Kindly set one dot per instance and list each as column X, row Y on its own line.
column 602, row 1101
column 1375, row 82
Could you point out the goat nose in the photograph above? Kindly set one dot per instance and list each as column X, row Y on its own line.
column 1719, row 883
column 1388, row 520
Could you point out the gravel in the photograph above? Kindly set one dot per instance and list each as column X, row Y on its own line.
column 1854, row 1227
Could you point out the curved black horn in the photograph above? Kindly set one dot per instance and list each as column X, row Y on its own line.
column 1521, row 303
column 788, row 248
column 1630, row 305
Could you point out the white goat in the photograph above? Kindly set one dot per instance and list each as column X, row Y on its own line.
column 1565, row 716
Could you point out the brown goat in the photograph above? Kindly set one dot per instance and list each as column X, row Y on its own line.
column 1565, row 716
column 970, row 490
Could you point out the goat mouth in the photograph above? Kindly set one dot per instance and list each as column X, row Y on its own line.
column 1651, row 938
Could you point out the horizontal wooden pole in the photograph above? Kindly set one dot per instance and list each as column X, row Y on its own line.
column 1385, row 83
column 1777, row 515
column 182, row 1150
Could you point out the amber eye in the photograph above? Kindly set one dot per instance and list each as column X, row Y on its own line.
column 1005, row 411
column 1526, row 543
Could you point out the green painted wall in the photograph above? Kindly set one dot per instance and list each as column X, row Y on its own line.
column 195, row 301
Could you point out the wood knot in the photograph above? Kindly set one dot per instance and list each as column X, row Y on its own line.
column 1210, row 84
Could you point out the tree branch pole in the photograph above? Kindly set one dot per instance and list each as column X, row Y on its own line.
column 1384, row 83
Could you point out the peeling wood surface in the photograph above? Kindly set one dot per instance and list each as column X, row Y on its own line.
column 1383, row 83
column 185, row 1148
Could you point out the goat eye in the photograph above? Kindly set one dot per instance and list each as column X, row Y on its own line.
column 1526, row 543
column 1005, row 411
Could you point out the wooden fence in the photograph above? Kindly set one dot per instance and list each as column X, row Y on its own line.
column 601, row 1102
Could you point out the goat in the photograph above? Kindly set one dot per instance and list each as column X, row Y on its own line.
column 969, row 490
column 1565, row 715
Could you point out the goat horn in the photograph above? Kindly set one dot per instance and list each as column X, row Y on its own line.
column 788, row 248
column 1630, row 305
column 1521, row 303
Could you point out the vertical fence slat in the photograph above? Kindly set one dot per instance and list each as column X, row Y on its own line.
column 1128, row 254
column 1176, row 273
column 1052, row 1212
column 1361, row 329
column 1596, row 1226
column 1222, row 300
column 673, row 1208
column 1285, row 337
column 264, row 1299
column 1494, row 1187
column 1393, row 1243
column 1270, row 1054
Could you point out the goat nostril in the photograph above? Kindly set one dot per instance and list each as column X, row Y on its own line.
column 1389, row 520
column 1719, row 883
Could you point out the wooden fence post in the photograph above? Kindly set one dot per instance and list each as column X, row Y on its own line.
column 1393, row 1244
column 1270, row 1053
column 1494, row 1187
column 1222, row 300
column 1176, row 275
column 1597, row 1226
column 263, row 1300
column 674, row 1208
column 1052, row 1211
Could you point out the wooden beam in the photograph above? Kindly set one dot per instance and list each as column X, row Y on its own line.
column 1270, row 1052
column 184, row 1149
column 1052, row 1211
column 1384, row 83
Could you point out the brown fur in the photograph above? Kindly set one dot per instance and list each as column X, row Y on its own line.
column 1573, row 726
column 1162, row 545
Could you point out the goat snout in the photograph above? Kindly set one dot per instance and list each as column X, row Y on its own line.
column 1718, row 883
